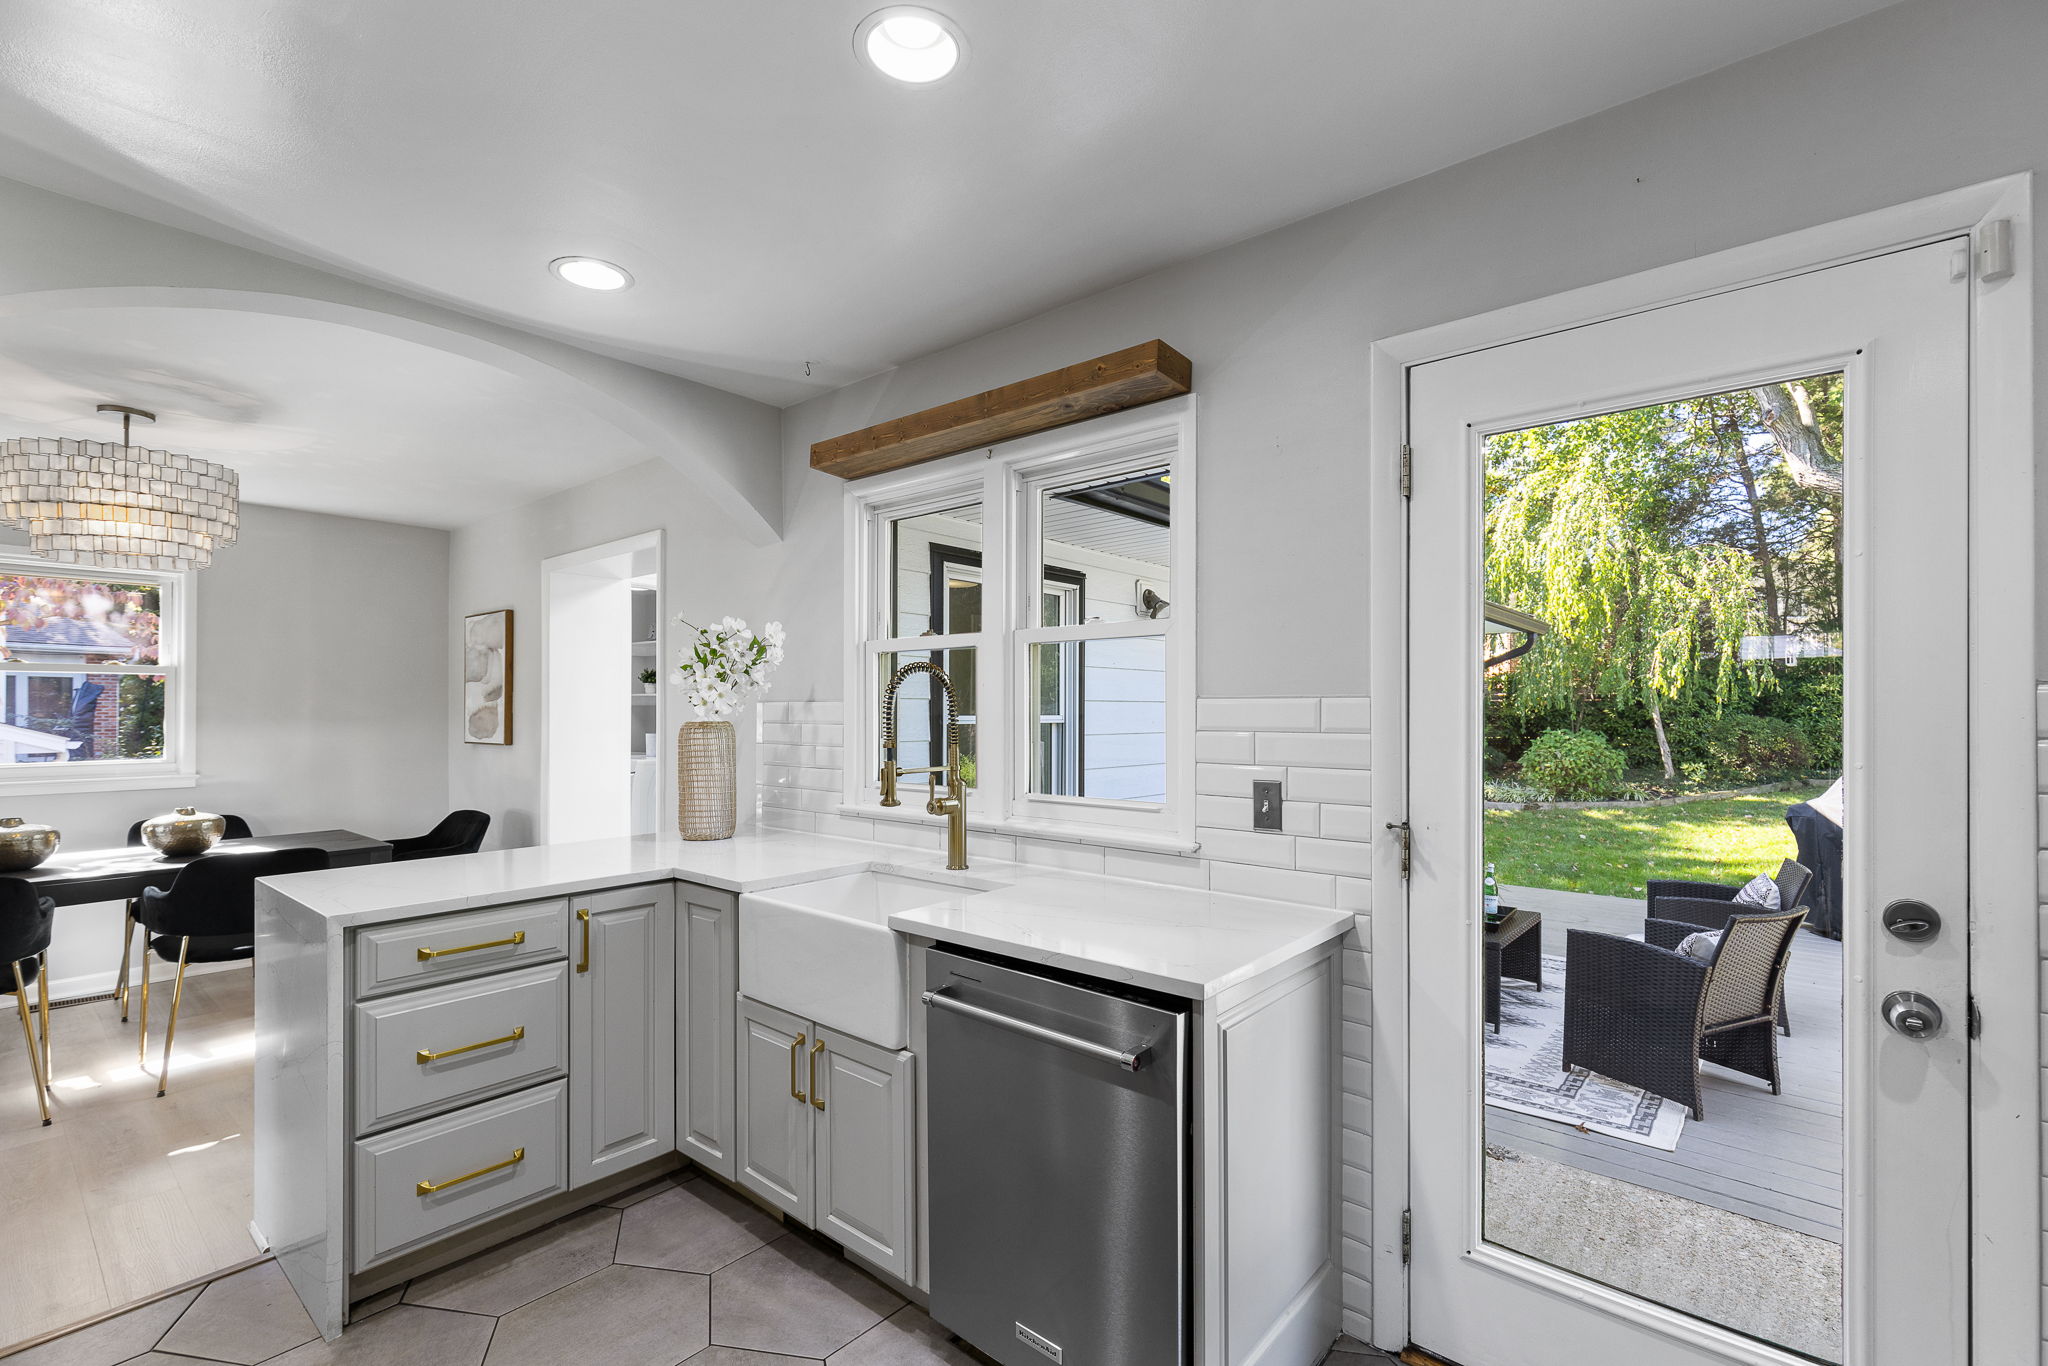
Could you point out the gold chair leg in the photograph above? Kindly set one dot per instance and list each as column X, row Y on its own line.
column 127, row 950
column 28, row 1036
column 43, row 984
column 142, row 1025
column 171, row 1029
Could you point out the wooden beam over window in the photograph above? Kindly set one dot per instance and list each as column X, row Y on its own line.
column 1123, row 379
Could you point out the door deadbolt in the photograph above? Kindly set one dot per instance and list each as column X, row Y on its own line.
column 1913, row 1015
column 1916, row 922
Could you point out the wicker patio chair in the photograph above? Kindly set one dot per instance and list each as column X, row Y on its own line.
column 1680, row 909
column 1648, row 1016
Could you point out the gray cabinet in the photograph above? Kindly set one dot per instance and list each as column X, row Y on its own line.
column 707, row 983
column 861, row 1097
column 825, row 1132
column 774, row 1140
column 622, row 1075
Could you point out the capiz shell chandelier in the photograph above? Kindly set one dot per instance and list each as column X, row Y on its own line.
column 119, row 507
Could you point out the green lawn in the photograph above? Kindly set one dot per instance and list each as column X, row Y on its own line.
column 1614, row 849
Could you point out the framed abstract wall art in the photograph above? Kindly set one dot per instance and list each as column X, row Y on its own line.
column 487, row 678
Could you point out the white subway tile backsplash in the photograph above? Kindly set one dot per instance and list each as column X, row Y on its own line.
column 1334, row 856
column 787, row 710
column 1247, row 846
column 1235, row 813
column 1257, row 713
column 1174, row 869
column 1233, row 780
column 1352, row 785
column 801, row 756
column 1278, row 884
column 1079, row 858
column 1223, row 746
column 801, row 733
column 1347, row 713
column 1315, row 751
column 1344, row 822
column 1354, row 893
column 846, row 827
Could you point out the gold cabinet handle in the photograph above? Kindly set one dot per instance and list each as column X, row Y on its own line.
column 423, row 1057
column 434, row 1187
column 583, row 964
column 429, row 955
column 816, row 1098
column 796, row 1047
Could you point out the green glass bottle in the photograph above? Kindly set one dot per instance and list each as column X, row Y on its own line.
column 1491, row 897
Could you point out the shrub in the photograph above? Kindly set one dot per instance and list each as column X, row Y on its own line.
column 1573, row 765
column 1809, row 695
column 1754, row 747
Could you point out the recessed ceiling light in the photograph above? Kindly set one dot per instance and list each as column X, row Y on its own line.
column 913, row 45
column 590, row 273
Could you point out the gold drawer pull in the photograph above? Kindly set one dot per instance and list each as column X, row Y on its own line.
column 435, row 1187
column 795, row 1092
column 584, row 964
column 429, row 955
column 423, row 1057
column 816, row 1049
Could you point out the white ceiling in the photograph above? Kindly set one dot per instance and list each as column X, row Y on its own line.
column 779, row 203
column 310, row 414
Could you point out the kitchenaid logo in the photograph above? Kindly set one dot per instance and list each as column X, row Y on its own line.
column 1047, row 1346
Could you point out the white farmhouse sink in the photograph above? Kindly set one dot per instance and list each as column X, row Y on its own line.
column 824, row 949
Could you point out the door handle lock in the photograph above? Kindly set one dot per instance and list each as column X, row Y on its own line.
column 1913, row 1015
column 1916, row 922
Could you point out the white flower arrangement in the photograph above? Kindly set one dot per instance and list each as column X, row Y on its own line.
column 726, row 664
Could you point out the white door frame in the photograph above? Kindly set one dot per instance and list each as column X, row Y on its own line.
column 2006, row 1228
column 625, row 546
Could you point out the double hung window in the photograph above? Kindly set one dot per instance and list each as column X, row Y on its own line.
column 91, row 692
column 1050, row 580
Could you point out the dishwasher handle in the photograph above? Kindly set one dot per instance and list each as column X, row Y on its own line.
column 1130, row 1060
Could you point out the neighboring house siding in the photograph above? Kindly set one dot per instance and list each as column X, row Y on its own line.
column 1319, row 747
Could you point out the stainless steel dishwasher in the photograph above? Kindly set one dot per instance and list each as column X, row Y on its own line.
column 1058, row 1112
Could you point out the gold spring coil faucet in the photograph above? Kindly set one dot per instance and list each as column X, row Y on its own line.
column 952, row 805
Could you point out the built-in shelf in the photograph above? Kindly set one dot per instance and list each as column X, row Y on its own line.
column 644, row 647
column 645, row 696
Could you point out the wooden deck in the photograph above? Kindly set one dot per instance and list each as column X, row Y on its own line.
column 1774, row 1158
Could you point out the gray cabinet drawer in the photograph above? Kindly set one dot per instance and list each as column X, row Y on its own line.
column 443, row 948
column 415, row 1184
column 422, row 1051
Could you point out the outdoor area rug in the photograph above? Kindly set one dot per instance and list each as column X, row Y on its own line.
column 1525, row 1073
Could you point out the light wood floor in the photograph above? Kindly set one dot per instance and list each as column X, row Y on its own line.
column 1774, row 1158
column 125, row 1195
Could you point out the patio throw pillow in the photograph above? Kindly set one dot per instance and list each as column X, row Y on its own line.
column 1830, row 802
column 1701, row 945
column 1759, row 891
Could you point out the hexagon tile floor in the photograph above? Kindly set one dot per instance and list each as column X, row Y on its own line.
column 678, row 1271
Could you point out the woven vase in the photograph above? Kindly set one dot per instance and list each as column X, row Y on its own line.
column 707, row 806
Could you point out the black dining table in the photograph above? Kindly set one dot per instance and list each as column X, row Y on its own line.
column 71, row 878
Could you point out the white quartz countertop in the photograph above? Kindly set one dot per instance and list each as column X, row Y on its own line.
column 1185, row 941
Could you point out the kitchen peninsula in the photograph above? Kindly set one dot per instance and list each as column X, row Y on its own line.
column 455, row 1051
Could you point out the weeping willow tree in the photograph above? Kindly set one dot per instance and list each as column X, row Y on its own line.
column 1589, row 526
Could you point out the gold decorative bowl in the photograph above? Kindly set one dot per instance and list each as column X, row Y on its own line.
column 184, row 833
column 23, row 846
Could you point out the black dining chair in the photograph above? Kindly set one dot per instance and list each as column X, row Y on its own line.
column 25, row 921
column 460, row 832
column 207, row 916
column 237, row 829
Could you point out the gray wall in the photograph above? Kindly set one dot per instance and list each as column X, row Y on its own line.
column 321, row 661
column 1909, row 102
column 712, row 572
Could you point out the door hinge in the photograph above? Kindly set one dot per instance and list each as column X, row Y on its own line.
column 1407, row 470
column 1407, row 838
column 1407, row 1235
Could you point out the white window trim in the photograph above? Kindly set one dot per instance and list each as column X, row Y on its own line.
column 1004, row 480
column 178, row 594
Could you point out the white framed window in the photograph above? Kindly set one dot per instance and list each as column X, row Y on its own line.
column 1051, row 578
column 95, row 682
